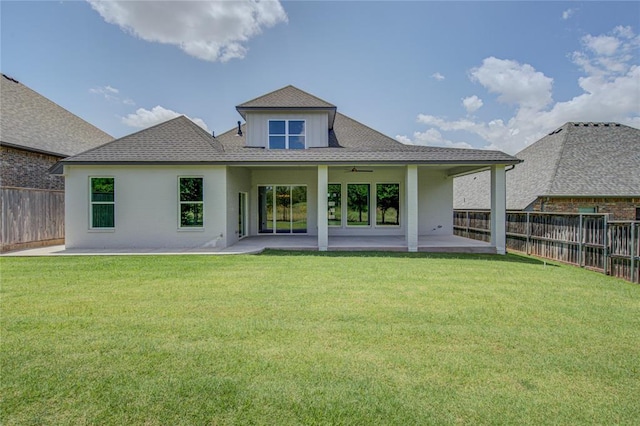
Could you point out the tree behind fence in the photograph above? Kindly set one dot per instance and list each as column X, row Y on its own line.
column 587, row 240
column 31, row 217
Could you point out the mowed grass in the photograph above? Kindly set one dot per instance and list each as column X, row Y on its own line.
column 309, row 338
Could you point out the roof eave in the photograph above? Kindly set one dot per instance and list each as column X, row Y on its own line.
column 242, row 110
column 31, row 149
column 58, row 167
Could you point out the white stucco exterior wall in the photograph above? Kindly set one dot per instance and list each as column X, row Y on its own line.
column 146, row 207
column 238, row 180
column 435, row 207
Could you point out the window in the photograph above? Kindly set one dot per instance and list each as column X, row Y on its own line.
column 102, row 202
column 358, row 204
column 587, row 210
column 637, row 213
column 282, row 209
column 334, row 212
column 191, row 202
column 287, row 134
column 387, row 204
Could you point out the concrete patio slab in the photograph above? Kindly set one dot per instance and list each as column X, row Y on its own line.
column 257, row 244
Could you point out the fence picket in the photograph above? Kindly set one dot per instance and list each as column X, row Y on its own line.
column 31, row 217
column 587, row 240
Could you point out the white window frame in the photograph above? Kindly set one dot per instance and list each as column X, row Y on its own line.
column 346, row 215
column 274, row 220
column 180, row 203
column 286, row 132
column 92, row 203
column 375, row 204
column 342, row 215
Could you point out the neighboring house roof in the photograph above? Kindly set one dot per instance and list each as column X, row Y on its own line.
column 181, row 141
column 32, row 122
column 575, row 160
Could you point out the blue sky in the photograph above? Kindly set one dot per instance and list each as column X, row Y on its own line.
column 496, row 75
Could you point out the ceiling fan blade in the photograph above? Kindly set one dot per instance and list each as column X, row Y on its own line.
column 356, row 170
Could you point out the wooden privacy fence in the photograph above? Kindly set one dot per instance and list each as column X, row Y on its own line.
column 31, row 218
column 587, row 240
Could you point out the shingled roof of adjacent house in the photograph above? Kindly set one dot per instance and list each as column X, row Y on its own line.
column 180, row 141
column 575, row 160
column 32, row 122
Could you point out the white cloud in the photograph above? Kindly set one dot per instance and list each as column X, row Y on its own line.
column 568, row 13
column 209, row 30
column 610, row 92
column 431, row 137
column 111, row 94
column 108, row 92
column 437, row 76
column 472, row 103
column 602, row 45
column 144, row 118
column 513, row 82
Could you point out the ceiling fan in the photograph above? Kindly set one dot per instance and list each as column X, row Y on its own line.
column 356, row 170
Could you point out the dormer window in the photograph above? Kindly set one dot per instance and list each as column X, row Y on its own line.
column 287, row 134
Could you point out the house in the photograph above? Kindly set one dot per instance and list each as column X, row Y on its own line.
column 295, row 167
column 577, row 168
column 36, row 133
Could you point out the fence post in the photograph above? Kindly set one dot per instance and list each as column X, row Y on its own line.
column 466, row 231
column 580, row 242
column 634, row 231
column 528, row 247
column 605, row 249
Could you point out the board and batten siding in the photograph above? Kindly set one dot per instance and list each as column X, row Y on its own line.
column 146, row 208
column 317, row 127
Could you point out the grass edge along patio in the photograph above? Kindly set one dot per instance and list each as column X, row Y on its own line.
column 296, row 166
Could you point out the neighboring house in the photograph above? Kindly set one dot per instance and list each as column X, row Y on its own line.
column 578, row 168
column 36, row 133
column 296, row 167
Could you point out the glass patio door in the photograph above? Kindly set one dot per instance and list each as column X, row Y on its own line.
column 282, row 209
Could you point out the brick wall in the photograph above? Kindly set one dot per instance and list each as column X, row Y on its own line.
column 618, row 208
column 25, row 169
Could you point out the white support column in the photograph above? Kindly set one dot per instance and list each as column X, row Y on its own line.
column 412, row 207
column 323, row 226
column 498, row 209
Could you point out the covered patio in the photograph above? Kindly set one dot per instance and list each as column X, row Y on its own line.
column 257, row 244
column 431, row 243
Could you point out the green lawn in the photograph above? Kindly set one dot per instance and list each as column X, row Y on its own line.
column 305, row 338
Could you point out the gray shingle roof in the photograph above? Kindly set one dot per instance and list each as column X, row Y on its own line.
column 180, row 141
column 175, row 141
column 32, row 122
column 287, row 97
column 577, row 159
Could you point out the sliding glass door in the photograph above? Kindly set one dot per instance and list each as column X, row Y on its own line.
column 282, row 209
